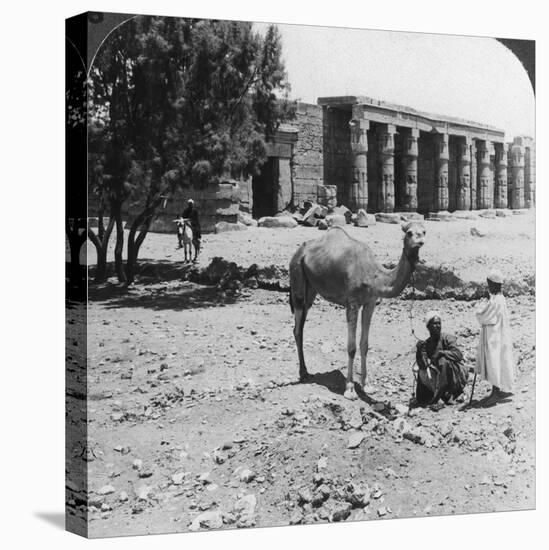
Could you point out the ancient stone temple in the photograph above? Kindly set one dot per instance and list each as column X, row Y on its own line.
column 372, row 155
column 389, row 158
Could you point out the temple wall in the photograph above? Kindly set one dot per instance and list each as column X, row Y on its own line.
column 307, row 165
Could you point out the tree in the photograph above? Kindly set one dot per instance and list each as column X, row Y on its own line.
column 178, row 102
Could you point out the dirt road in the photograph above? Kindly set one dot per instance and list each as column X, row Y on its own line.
column 196, row 420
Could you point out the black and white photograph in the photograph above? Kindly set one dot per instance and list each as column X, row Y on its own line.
column 301, row 280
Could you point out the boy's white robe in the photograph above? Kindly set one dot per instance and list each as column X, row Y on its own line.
column 495, row 361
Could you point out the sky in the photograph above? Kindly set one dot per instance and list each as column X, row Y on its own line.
column 474, row 78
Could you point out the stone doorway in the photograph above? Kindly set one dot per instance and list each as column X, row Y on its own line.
column 265, row 190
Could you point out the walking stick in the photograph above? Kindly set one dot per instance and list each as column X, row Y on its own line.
column 473, row 388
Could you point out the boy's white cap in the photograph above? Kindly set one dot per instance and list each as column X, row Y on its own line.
column 495, row 276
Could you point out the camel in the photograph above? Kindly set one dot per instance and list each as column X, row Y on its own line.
column 345, row 271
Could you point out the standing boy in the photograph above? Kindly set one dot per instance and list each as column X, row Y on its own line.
column 495, row 362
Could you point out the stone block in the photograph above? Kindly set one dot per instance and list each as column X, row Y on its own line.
column 387, row 217
column 281, row 221
column 246, row 219
column 466, row 214
column 322, row 224
column 411, row 216
column 223, row 227
column 520, row 211
column 442, row 216
column 491, row 214
column 362, row 218
column 343, row 211
column 503, row 213
column 228, row 210
column 333, row 220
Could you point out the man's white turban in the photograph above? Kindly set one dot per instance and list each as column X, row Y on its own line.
column 431, row 315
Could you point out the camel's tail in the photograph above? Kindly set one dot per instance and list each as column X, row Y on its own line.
column 291, row 300
column 297, row 264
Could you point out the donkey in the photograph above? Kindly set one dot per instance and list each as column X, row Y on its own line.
column 187, row 241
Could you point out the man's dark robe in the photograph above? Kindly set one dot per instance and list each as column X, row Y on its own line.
column 446, row 360
column 192, row 214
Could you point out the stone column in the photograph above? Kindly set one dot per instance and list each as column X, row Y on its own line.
column 500, row 187
column 409, row 171
column 529, row 176
column 484, row 174
column 517, row 173
column 386, row 189
column 441, row 180
column 464, row 173
column 358, row 192
column 474, row 203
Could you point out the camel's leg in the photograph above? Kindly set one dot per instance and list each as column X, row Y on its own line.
column 302, row 296
column 352, row 318
column 367, row 312
column 300, row 316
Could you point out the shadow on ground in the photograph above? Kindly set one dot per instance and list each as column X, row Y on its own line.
column 335, row 381
column 159, row 297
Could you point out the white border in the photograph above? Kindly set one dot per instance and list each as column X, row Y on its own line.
column 32, row 449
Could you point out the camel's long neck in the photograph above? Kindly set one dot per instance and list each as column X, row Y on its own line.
column 395, row 280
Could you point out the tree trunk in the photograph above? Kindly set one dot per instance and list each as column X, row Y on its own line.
column 118, row 249
column 101, row 247
column 76, row 240
column 144, row 219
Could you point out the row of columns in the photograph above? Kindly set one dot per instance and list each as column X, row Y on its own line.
column 474, row 172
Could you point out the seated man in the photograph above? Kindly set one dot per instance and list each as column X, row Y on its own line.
column 442, row 374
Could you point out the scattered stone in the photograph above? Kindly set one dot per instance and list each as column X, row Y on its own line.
column 207, row 520
column 338, row 511
column 144, row 492
column 379, row 407
column 106, row 490
column 219, row 457
column 322, row 463
column 401, row 409
column 137, row 464
column 297, row 517
column 356, row 495
column 334, row 220
column 322, row 225
column 355, row 440
column 387, row 217
column 278, row 221
column 304, row 496
column 503, row 213
column 177, row 479
column 246, row 475
column 204, row 478
column 361, row 218
column 123, row 496
column 224, row 227
column 244, row 509
column 106, row 507
column 477, row 233
column 382, row 511
column 246, row 219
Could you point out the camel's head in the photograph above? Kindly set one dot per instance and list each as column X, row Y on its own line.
column 414, row 239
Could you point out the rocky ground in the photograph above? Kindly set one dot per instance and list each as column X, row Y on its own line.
column 196, row 420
